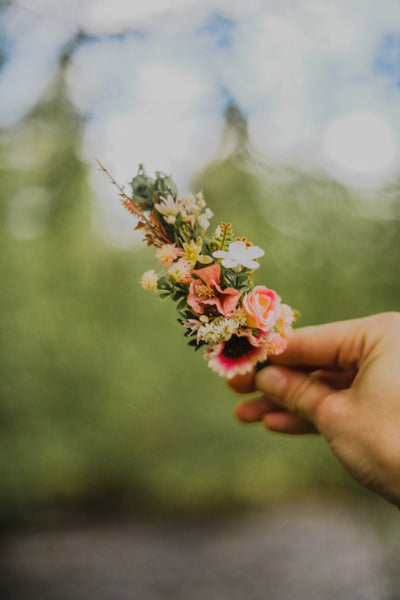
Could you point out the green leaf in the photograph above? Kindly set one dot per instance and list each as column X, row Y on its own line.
column 178, row 220
column 230, row 277
column 181, row 304
column 164, row 295
column 165, row 284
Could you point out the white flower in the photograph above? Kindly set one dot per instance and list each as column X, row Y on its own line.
column 239, row 255
column 239, row 316
column 203, row 221
column 217, row 232
column 200, row 201
column 209, row 333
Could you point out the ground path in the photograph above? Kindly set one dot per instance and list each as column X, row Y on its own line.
column 311, row 550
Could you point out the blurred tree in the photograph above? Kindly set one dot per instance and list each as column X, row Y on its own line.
column 97, row 408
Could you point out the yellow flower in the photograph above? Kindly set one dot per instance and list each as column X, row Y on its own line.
column 191, row 253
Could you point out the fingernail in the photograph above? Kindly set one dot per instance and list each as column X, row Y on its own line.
column 271, row 380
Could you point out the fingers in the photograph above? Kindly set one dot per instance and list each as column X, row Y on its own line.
column 334, row 345
column 296, row 392
column 272, row 415
column 254, row 410
column 284, row 422
column 337, row 380
column 243, row 384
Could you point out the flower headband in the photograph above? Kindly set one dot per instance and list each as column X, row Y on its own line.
column 209, row 278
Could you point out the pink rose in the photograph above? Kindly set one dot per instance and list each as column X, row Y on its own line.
column 262, row 307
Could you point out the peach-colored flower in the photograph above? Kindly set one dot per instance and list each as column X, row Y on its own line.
column 168, row 253
column 206, row 292
column 263, row 308
column 284, row 324
column 276, row 344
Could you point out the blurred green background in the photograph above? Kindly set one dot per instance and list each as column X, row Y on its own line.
column 103, row 405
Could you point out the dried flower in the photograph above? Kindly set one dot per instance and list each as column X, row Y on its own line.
column 218, row 305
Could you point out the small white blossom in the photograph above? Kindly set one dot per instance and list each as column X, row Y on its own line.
column 217, row 232
column 203, row 221
column 239, row 316
column 209, row 333
column 220, row 329
column 239, row 255
column 190, row 202
column 200, row 200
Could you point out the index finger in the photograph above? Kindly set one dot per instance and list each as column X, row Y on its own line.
column 332, row 345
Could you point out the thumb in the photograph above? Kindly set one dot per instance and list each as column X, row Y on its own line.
column 297, row 392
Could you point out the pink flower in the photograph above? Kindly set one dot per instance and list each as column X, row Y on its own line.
column 262, row 307
column 180, row 271
column 206, row 292
column 276, row 344
column 167, row 254
column 236, row 356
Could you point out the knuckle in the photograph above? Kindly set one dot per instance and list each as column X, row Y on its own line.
column 314, row 401
column 328, row 410
column 302, row 397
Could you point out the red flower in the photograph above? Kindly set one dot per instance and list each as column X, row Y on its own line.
column 206, row 291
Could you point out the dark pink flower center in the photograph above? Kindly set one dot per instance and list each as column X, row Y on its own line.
column 236, row 347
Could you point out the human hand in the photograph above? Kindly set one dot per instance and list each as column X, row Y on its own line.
column 343, row 381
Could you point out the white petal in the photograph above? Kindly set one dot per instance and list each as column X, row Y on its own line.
column 250, row 264
column 221, row 254
column 229, row 264
column 254, row 252
column 237, row 249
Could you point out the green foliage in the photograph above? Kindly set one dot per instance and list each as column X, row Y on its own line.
column 148, row 190
column 242, row 281
column 222, row 237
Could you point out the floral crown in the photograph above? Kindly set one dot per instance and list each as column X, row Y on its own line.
column 209, row 278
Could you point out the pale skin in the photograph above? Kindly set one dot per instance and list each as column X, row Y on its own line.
column 341, row 380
